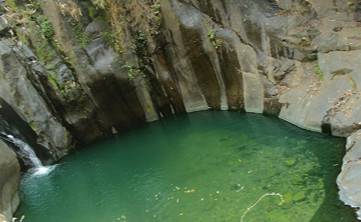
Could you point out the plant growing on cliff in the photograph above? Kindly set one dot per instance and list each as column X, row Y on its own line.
column 46, row 27
column 155, row 8
column 81, row 37
column 52, row 80
column 132, row 71
column 73, row 12
column 318, row 71
column 99, row 3
column 69, row 7
column 215, row 42
column 135, row 72
column 111, row 38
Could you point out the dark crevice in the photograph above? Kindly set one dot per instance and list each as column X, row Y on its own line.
column 326, row 128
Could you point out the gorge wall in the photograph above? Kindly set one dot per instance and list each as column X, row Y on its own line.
column 76, row 71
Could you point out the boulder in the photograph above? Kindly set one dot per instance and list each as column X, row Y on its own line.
column 9, row 182
column 349, row 179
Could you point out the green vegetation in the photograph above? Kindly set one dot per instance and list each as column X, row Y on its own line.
column 81, row 37
column 99, row 3
column 310, row 57
column 112, row 39
column 318, row 71
column 140, row 50
column 215, row 42
column 45, row 56
column 37, row 32
column 77, row 20
column 156, row 8
column 52, row 80
column 34, row 126
column 36, row 5
column 142, row 36
column 133, row 72
column 182, row 2
column 45, row 26
column 12, row 4
column 23, row 38
column 92, row 12
column 353, row 82
column 67, row 89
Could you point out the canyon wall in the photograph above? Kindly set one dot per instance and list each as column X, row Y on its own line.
column 78, row 71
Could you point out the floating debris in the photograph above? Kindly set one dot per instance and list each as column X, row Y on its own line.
column 259, row 200
column 240, row 188
column 190, row 191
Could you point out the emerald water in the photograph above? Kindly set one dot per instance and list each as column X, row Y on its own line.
column 205, row 166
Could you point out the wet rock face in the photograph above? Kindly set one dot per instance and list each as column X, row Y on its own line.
column 17, row 91
column 11, row 124
column 75, row 72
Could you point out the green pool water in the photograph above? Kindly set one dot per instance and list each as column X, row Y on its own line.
column 205, row 166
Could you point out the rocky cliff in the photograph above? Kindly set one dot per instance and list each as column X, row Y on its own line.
column 77, row 71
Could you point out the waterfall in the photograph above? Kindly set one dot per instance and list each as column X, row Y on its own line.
column 27, row 154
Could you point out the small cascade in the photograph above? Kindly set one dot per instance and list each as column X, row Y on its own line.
column 27, row 154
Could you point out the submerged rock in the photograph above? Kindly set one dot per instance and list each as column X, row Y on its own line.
column 291, row 161
column 300, row 196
